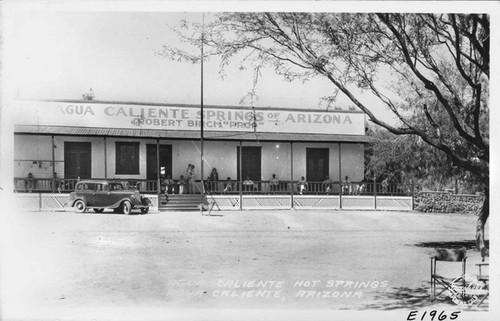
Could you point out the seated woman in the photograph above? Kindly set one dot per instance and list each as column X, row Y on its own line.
column 248, row 184
column 228, row 186
column 168, row 184
column 302, row 185
column 181, row 182
column 328, row 185
column 274, row 184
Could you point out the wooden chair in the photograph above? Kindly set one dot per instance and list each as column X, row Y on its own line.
column 447, row 283
column 485, row 279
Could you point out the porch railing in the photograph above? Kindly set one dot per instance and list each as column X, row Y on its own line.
column 48, row 185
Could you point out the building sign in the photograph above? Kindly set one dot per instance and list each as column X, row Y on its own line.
column 171, row 117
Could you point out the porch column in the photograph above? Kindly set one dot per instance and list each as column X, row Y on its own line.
column 241, row 177
column 340, row 175
column 53, row 166
column 105, row 159
column 291, row 174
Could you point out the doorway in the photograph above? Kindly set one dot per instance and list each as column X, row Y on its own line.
column 165, row 165
column 250, row 164
column 77, row 160
column 317, row 164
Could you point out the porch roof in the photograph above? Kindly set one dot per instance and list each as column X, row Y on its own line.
column 187, row 135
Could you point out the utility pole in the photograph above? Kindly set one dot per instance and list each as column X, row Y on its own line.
column 201, row 106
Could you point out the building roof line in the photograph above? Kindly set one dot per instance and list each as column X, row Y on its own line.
column 185, row 135
column 151, row 104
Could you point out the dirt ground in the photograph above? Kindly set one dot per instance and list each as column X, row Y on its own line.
column 250, row 264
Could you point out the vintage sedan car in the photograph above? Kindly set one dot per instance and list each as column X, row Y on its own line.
column 103, row 194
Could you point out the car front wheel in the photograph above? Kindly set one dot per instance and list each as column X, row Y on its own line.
column 80, row 206
column 126, row 208
column 144, row 210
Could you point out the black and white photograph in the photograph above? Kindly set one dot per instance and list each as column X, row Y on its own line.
column 244, row 160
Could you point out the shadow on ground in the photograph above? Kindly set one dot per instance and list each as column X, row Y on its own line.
column 469, row 245
column 414, row 298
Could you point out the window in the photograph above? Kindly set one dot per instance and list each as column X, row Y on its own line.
column 127, row 158
column 115, row 187
column 89, row 187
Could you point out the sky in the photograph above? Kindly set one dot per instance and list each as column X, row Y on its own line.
column 61, row 49
column 60, row 55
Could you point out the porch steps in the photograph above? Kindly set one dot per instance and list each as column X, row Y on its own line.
column 184, row 202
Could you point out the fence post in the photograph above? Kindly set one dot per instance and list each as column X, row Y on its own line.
column 412, row 196
column 291, row 176
column 39, row 202
column 340, row 194
column 375, row 192
column 240, row 163
column 53, row 166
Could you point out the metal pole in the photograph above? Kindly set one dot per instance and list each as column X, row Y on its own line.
column 53, row 166
column 412, row 196
column 291, row 174
column 201, row 104
column 375, row 191
column 158, row 189
column 241, row 176
column 105, row 159
column 340, row 175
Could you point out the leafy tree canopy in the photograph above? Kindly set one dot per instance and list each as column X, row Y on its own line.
column 430, row 70
column 431, row 66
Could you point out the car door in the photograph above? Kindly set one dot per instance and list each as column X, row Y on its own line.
column 96, row 197
column 116, row 192
column 88, row 193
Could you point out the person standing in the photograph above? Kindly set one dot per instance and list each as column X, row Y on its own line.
column 190, row 176
column 214, row 180
column 30, row 182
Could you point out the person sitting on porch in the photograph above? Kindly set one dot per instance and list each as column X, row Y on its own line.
column 248, row 184
column 168, row 184
column 327, row 185
column 228, row 185
column 302, row 185
column 274, row 183
column 361, row 188
column 346, row 186
column 182, row 184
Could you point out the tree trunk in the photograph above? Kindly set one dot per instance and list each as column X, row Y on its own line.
column 481, row 221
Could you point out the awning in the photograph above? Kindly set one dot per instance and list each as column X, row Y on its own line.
column 187, row 135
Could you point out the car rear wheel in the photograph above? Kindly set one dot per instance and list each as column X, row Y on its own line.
column 126, row 207
column 98, row 210
column 80, row 206
column 144, row 210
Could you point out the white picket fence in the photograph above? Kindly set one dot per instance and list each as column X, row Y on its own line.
column 57, row 202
